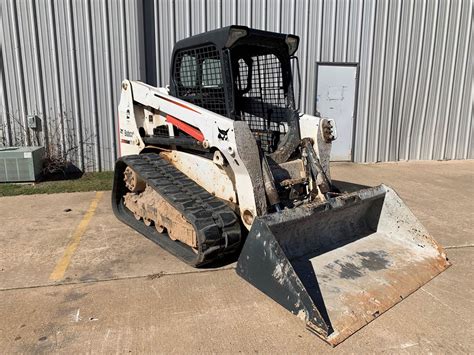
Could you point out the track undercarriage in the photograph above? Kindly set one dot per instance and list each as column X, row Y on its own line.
column 153, row 209
column 155, row 198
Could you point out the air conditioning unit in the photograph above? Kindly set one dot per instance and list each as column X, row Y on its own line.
column 20, row 164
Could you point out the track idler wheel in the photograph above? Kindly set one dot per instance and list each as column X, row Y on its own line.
column 132, row 181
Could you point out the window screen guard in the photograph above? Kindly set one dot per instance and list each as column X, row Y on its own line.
column 261, row 95
column 198, row 75
column 261, row 98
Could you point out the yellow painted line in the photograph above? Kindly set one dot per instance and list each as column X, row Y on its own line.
column 63, row 263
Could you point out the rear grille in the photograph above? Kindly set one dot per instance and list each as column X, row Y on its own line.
column 161, row 131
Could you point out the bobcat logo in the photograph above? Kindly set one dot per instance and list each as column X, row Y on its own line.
column 222, row 134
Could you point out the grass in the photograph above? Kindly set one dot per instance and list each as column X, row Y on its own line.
column 88, row 182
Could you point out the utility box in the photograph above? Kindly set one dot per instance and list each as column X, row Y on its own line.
column 20, row 164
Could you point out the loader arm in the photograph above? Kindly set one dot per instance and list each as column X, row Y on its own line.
column 143, row 107
column 139, row 101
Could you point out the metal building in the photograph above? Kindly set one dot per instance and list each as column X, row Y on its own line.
column 397, row 75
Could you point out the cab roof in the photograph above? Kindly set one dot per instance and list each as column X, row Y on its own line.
column 223, row 38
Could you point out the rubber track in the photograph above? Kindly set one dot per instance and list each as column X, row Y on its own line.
column 217, row 227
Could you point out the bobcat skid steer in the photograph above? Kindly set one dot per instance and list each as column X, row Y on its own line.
column 221, row 162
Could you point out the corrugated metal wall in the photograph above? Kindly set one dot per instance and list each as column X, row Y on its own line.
column 416, row 92
column 64, row 61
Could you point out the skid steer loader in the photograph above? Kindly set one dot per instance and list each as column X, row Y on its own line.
column 221, row 162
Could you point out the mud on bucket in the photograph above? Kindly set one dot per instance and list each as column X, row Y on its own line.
column 341, row 264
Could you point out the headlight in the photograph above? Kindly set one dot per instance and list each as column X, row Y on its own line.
column 292, row 42
column 235, row 33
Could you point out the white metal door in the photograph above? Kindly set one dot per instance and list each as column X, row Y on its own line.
column 335, row 98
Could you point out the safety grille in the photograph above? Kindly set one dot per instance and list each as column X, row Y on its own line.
column 161, row 131
column 261, row 99
column 198, row 77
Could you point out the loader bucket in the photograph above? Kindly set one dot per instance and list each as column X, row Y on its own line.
column 341, row 264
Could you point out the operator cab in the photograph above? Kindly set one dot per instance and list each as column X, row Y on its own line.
column 244, row 74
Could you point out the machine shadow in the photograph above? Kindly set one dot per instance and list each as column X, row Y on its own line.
column 347, row 186
column 342, row 231
column 304, row 270
column 343, row 186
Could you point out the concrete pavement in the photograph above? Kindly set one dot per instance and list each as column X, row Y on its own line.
column 122, row 293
